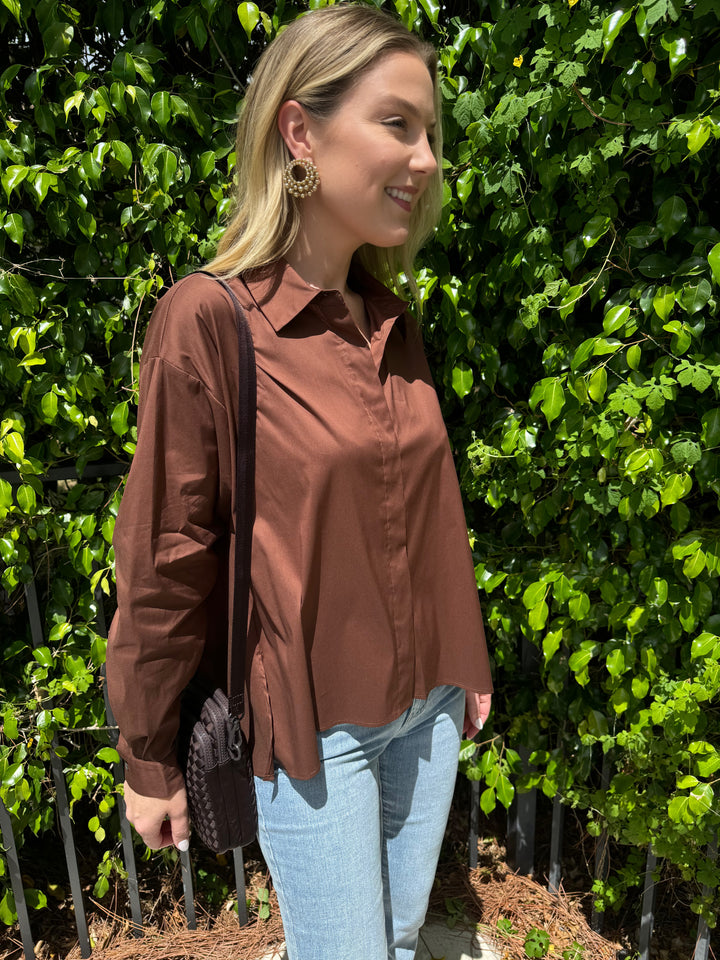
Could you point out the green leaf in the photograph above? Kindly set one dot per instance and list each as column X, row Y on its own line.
column 634, row 355
column 676, row 487
column 205, row 164
column 571, row 297
column 431, row 8
column 249, row 17
column 537, row 943
column 551, row 644
column 656, row 266
column 698, row 135
column 160, row 105
column 711, row 427
column 197, row 28
column 678, row 810
column 579, row 606
column 14, row 447
column 580, row 659
column 49, row 406
column 713, row 260
column 664, row 301
column 702, row 799
column 122, row 153
column 43, row 656
column 533, row 594
column 597, row 724
column 594, row 230
column 616, row 318
column 705, row 645
column 119, row 418
column 642, row 236
column 167, row 168
column 671, row 216
column 597, row 385
column 73, row 102
column 615, row 663
column 487, row 801
column 462, row 379
column 86, row 259
column 6, row 496
column 57, row 39
column 537, row 617
column 550, row 395
column 694, row 564
column 26, row 498
column 123, row 68
column 15, row 9
column 464, row 185
column 611, row 27
column 686, row 453
column 14, row 176
column 686, row 782
column 15, row 228
column 7, row 909
column 677, row 52
column 693, row 297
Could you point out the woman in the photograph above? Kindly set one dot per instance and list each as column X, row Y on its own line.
column 366, row 652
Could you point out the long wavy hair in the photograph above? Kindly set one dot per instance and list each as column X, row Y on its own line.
column 315, row 61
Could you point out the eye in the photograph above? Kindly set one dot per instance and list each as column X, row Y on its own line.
column 400, row 123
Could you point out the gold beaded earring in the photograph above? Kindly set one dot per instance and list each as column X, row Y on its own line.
column 301, row 178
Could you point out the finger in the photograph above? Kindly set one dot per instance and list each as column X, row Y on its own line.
column 180, row 820
column 153, row 834
column 180, row 832
column 478, row 708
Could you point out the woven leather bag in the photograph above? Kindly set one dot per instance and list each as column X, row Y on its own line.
column 218, row 773
column 211, row 748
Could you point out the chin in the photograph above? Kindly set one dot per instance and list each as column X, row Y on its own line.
column 397, row 240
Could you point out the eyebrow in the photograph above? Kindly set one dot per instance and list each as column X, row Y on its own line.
column 402, row 103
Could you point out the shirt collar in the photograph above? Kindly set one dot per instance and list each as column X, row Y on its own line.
column 282, row 294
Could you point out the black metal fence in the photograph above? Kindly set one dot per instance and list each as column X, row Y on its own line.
column 521, row 828
column 34, row 615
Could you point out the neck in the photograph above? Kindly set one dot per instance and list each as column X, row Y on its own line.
column 321, row 254
column 324, row 273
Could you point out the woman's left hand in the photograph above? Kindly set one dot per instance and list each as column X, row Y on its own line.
column 477, row 710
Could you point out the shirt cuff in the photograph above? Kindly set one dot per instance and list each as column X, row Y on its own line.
column 150, row 778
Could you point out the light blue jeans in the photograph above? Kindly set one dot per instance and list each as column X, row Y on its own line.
column 353, row 851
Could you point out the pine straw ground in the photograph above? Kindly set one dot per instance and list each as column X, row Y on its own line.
column 477, row 898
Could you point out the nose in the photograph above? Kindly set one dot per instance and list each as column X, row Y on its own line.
column 424, row 161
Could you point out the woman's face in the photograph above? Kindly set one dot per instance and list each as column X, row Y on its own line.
column 374, row 155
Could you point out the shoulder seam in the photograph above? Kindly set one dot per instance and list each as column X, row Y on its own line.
column 188, row 376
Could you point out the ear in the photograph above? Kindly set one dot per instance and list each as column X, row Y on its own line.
column 293, row 124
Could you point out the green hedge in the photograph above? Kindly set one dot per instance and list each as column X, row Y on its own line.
column 571, row 317
column 575, row 319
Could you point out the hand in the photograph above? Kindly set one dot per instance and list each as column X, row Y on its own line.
column 477, row 708
column 160, row 821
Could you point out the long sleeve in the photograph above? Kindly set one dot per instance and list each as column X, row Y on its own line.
column 167, row 562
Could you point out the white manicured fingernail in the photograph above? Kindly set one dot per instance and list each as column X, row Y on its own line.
column 478, row 723
column 183, row 846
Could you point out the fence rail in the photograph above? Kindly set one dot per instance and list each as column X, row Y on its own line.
column 521, row 820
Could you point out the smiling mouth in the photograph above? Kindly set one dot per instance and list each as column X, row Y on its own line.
column 396, row 194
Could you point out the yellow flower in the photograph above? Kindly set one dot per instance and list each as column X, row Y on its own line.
column 571, row 3
column 518, row 61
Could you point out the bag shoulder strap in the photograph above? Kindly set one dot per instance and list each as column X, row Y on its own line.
column 244, row 504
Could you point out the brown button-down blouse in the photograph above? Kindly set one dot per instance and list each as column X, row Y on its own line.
column 363, row 590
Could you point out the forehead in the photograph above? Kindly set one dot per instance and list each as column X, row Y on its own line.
column 399, row 78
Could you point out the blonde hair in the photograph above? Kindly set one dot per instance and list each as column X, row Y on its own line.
column 315, row 61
